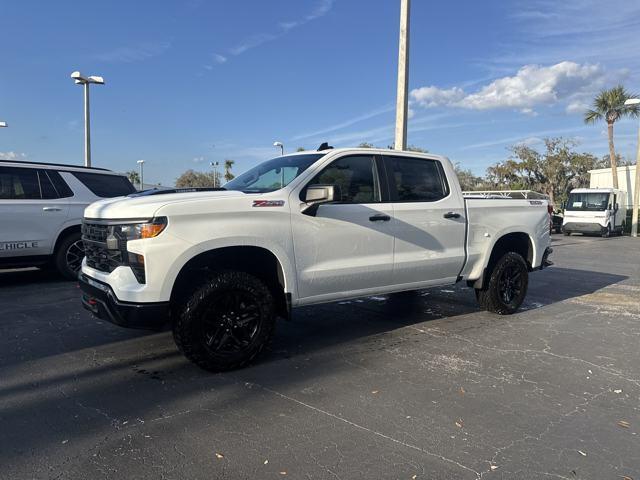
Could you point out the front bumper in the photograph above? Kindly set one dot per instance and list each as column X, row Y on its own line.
column 99, row 299
column 581, row 227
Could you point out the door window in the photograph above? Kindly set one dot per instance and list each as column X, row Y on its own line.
column 356, row 179
column 416, row 179
column 19, row 184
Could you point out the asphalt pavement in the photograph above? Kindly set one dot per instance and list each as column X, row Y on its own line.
column 419, row 385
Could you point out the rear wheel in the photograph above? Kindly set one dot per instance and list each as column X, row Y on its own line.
column 226, row 322
column 566, row 233
column 68, row 257
column 507, row 285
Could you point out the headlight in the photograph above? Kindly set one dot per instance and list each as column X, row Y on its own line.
column 120, row 234
column 137, row 231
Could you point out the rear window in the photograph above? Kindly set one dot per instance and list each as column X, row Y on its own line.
column 62, row 189
column 105, row 186
column 417, row 179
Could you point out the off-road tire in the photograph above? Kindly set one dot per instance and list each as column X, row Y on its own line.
column 62, row 256
column 202, row 311
column 492, row 296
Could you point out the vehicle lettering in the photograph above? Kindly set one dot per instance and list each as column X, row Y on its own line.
column 268, row 203
column 6, row 246
column 535, row 202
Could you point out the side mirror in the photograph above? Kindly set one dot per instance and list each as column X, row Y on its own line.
column 315, row 195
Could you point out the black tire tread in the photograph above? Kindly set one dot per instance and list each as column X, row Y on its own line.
column 488, row 297
column 187, row 316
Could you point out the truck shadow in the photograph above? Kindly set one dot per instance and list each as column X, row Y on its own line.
column 133, row 376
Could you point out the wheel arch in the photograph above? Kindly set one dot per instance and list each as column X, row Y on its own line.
column 518, row 242
column 63, row 233
column 254, row 260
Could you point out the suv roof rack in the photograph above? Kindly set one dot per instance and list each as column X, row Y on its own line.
column 54, row 164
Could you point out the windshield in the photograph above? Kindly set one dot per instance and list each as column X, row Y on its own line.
column 595, row 201
column 273, row 174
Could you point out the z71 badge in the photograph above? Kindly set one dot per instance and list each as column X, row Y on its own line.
column 268, row 203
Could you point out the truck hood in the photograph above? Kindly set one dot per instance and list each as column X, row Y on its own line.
column 145, row 206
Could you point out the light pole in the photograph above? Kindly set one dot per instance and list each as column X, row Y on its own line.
column 402, row 99
column 281, row 145
column 636, row 191
column 215, row 173
column 3, row 124
column 141, row 163
column 86, row 81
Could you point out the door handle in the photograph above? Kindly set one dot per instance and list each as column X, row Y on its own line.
column 379, row 218
column 51, row 209
column 451, row 215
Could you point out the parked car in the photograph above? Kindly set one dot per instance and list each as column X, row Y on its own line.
column 600, row 211
column 556, row 221
column 301, row 229
column 41, row 208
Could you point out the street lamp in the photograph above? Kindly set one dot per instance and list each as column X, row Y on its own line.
column 636, row 192
column 141, row 163
column 215, row 173
column 3, row 124
column 85, row 81
column 281, row 145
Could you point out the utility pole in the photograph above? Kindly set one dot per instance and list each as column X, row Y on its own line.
column 141, row 163
column 402, row 100
column 636, row 193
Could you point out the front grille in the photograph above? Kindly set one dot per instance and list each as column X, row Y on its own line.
column 94, row 237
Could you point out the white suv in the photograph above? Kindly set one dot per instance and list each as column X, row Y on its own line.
column 41, row 208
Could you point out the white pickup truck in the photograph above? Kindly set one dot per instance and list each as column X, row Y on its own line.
column 307, row 228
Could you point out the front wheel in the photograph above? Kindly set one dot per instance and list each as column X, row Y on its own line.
column 226, row 322
column 507, row 285
column 606, row 232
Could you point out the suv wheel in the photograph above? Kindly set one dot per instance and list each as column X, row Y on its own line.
column 507, row 285
column 226, row 322
column 606, row 232
column 68, row 257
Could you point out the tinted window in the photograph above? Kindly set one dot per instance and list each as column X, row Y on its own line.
column 105, row 186
column 46, row 187
column 59, row 184
column 19, row 183
column 356, row 178
column 417, row 179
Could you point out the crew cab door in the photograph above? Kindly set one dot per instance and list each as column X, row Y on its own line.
column 428, row 224
column 31, row 218
column 347, row 246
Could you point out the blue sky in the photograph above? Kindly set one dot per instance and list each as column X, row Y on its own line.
column 192, row 81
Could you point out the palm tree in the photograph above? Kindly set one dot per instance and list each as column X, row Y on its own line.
column 228, row 165
column 609, row 106
column 134, row 177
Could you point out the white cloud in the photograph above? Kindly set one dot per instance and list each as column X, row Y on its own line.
column 13, row 156
column 135, row 53
column 219, row 58
column 321, row 9
column 436, row 97
column 532, row 86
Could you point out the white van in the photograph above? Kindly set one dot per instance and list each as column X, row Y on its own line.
column 600, row 211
